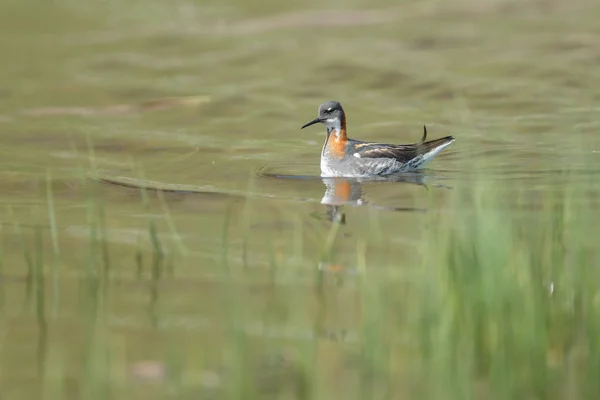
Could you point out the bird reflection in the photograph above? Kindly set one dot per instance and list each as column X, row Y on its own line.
column 342, row 192
column 348, row 192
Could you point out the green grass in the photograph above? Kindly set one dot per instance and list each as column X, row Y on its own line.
column 507, row 305
column 503, row 305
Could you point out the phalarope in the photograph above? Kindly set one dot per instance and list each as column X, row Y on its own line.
column 345, row 157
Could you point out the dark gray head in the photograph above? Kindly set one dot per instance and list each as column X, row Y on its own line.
column 331, row 114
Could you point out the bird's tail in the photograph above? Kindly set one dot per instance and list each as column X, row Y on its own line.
column 426, row 147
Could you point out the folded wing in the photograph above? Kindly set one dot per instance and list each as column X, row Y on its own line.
column 400, row 152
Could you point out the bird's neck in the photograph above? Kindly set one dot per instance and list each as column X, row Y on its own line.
column 336, row 140
column 338, row 129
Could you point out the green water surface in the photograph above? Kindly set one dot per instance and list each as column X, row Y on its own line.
column 248, row 279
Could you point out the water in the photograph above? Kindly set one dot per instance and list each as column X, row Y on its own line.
column 206, row 99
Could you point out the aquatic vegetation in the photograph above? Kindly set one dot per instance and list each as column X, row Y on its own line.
column 247, row 276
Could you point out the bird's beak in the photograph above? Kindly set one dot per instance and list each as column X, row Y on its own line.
column 314, row 121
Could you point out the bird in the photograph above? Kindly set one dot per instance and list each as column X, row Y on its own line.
column 345, row 157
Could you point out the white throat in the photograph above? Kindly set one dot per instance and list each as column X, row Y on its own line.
column 333, row 125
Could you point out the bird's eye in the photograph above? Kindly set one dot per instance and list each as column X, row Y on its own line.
column 330, row 109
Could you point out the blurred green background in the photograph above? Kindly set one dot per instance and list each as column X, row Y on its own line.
column 249, row 277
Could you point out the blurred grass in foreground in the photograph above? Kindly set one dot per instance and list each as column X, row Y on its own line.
column 509, row 309
column 504, row 306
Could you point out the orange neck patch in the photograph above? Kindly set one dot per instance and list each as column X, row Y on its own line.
column 336, row 142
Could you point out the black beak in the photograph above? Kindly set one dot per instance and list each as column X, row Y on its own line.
column 314, row 121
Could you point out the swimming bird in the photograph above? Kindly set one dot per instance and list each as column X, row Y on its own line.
column 345, row 157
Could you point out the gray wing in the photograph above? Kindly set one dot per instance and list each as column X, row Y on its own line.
column 400, row 152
